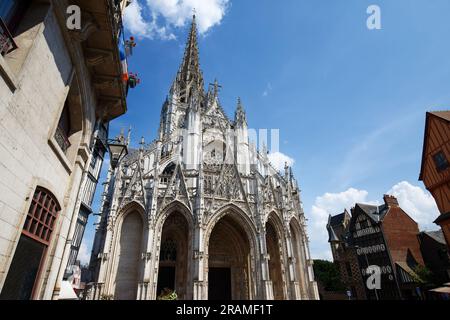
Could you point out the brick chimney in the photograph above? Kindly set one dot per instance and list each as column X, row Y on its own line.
column 390, row 201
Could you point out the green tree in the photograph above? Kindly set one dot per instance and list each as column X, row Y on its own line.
column 328, row 274
column 424, row 275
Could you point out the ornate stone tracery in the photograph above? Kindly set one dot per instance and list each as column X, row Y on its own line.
column 219, row 223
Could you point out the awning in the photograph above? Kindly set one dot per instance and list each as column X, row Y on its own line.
column 67, row 292
column 406, row 274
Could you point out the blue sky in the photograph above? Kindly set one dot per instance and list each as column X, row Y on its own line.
column 350, row 102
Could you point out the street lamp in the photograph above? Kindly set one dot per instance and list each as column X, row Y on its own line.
column 117, row 149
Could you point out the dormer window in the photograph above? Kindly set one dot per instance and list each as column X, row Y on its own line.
column 441, row 162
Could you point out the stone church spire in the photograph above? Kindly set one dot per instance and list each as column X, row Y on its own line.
column 242, row 141
column 240, row 117
column 187, row 90
column 190, row 76
column 199, row 182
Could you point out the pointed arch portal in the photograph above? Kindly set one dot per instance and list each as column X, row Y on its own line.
column 229, row 266
column 300, row 255
column 173, row 271
column 273, row 249
column 129, row 253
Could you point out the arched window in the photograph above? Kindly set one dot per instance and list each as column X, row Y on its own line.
column 41, row 217
column 168, row 251
column 214, row 153
column 32, row 247
column 167, row 173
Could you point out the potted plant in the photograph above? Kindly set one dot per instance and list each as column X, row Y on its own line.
column 106, row 297
column 168, row 294
column 133, row 80
column 129, row 45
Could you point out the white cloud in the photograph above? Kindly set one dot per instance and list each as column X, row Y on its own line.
column 135, row 22
column 417, row 203
column 335, row 203
column 133, row 19
column 279, row 160
column 267, row 90
column 330, row 203
column 159, row 17
column 84, row 255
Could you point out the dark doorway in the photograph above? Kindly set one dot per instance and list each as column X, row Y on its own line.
column 23, row 271
column 174, row 259
column 219, row 284
column 166, row 279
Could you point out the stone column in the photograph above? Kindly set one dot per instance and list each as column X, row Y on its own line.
column 147, row 257
column 293, row 283
column 106, row 258
column 200, row 261
column 67, row 230
column 303, row 269
column 313, row 290
column 267, row 286
column 152, row 265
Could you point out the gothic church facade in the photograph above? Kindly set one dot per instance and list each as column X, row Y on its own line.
column 200, row 211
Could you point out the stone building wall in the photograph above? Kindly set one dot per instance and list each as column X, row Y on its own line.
column 29, row 116
column 47, row 71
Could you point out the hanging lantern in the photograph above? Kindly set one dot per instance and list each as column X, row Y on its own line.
column 117, row 150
